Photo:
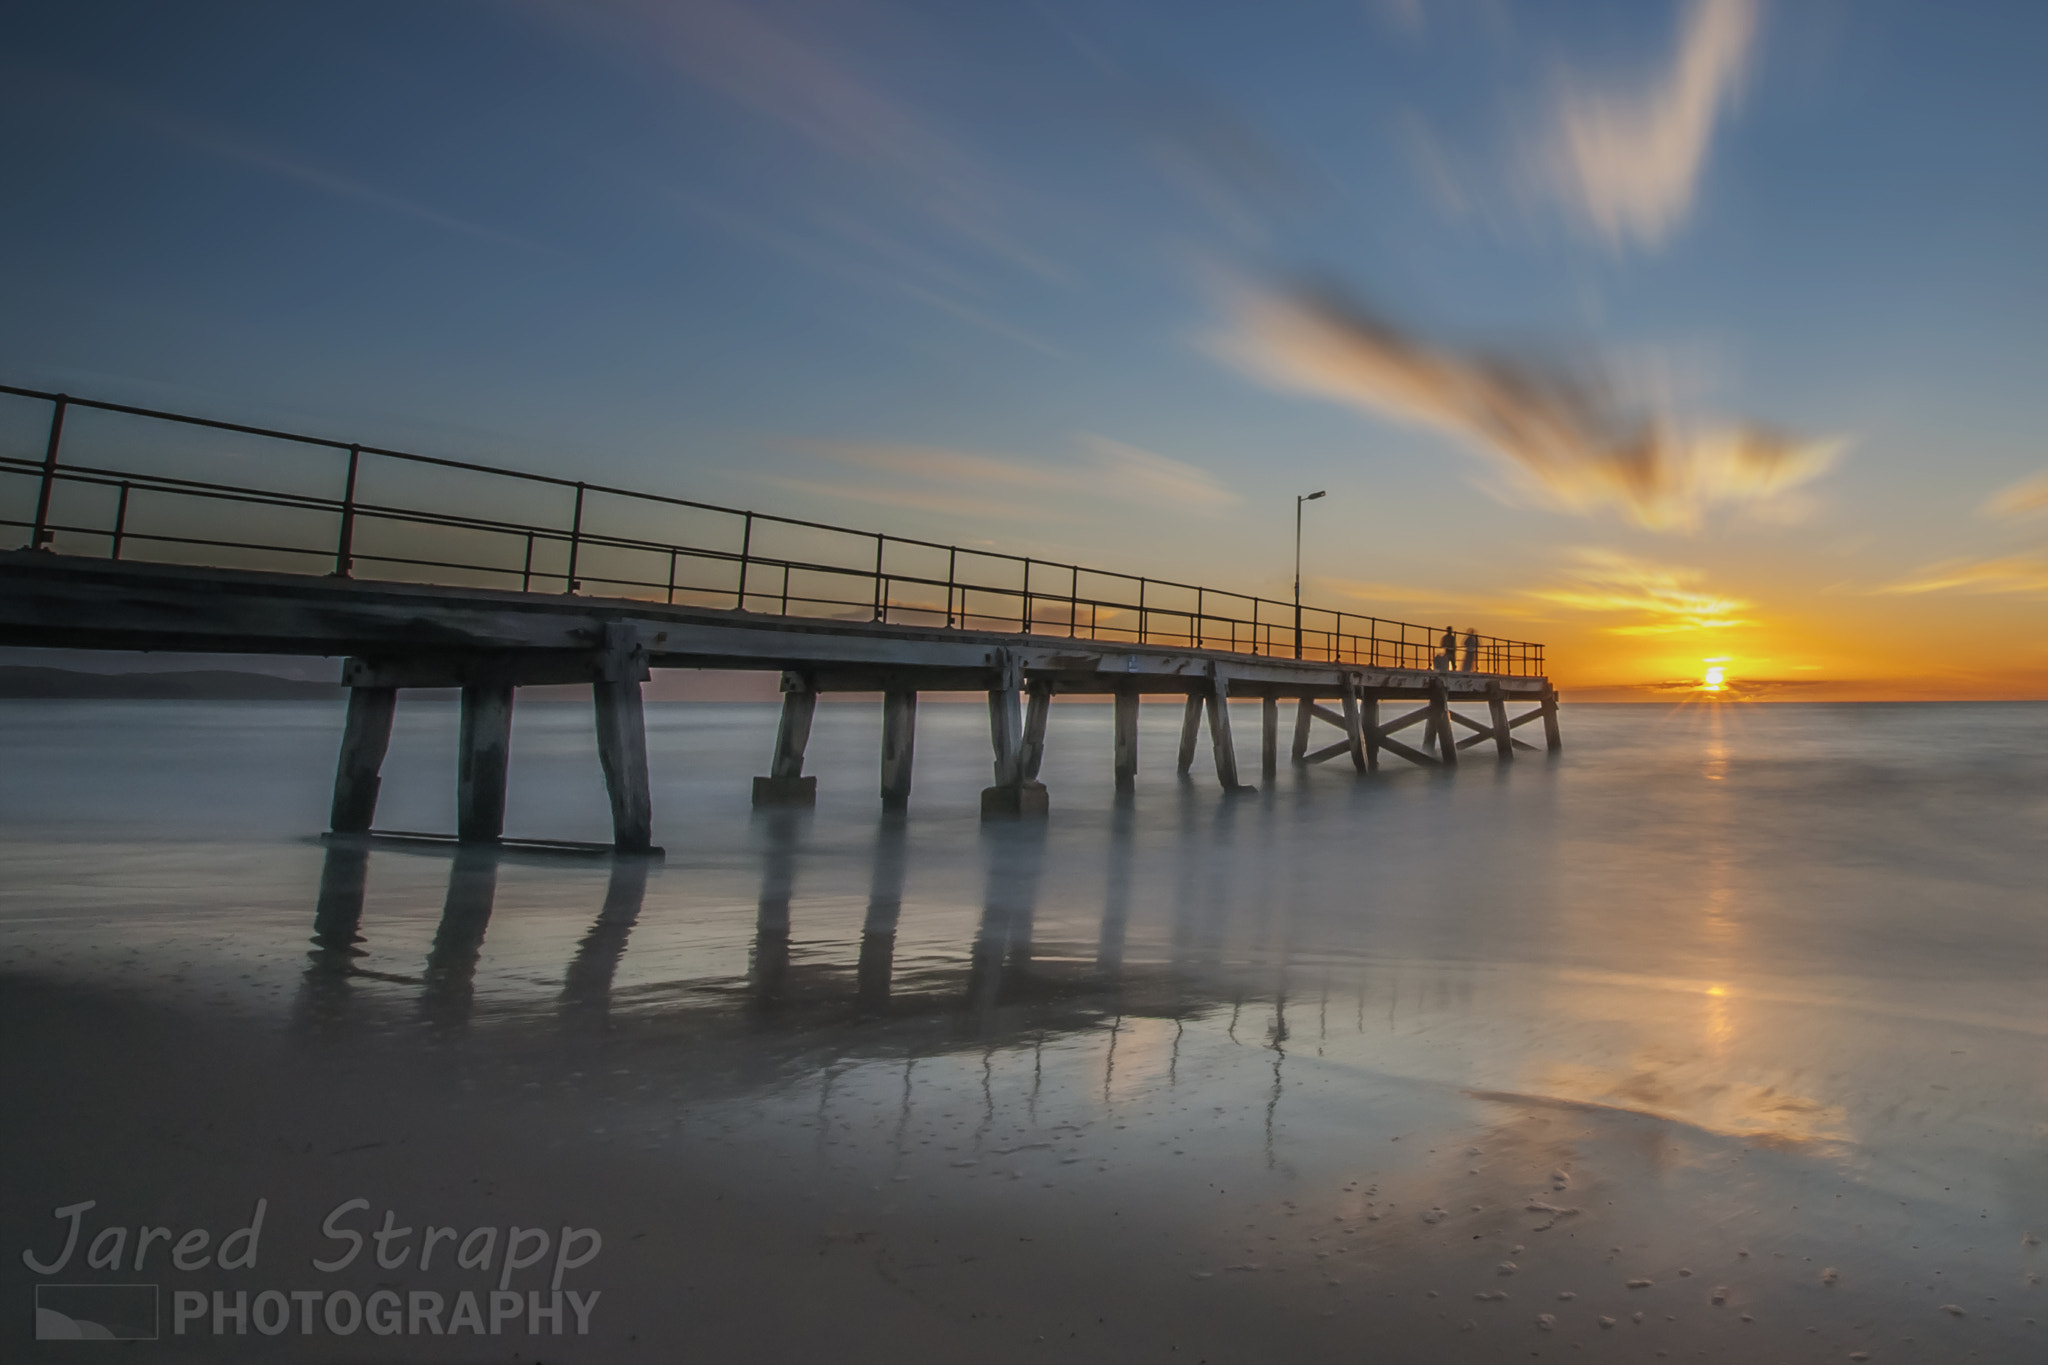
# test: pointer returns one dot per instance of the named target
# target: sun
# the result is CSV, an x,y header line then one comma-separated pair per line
x,y
1716,677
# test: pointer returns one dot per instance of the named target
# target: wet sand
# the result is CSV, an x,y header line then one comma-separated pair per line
x,y
1717,1038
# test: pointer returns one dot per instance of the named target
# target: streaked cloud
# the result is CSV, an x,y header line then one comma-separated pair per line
x,y
1144,476
1574,439
2020,573
972,483
783,65
1661,599
1630,160
2024,498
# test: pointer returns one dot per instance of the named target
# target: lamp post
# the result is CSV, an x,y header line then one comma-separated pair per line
x,y
1299,499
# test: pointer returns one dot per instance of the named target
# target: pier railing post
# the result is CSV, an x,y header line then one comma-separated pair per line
x,y
785,784
41,534
365,736
345,543
622,739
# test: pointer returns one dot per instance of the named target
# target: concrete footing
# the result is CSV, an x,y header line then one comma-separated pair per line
x,y
1025,800
785,791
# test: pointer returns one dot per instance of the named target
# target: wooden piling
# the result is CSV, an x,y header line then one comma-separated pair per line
x,y
1354,737
622,752
899,741
364,738
1126,741
1190,731
1037,710
1497,710
1269,738
1440,719
786,784
1014,793
1369,727
485,751
1221,747
1551,739
1303,715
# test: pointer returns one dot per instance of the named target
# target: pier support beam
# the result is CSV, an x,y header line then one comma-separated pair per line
x,y
1551,739
1440,719
622,751
1497,711
786,784
1037,710
1354,735
484,752
1220,743
622,739
1303,715
1269,738
899,742
1369,725
1190,731
1014,793
364,738
1126,743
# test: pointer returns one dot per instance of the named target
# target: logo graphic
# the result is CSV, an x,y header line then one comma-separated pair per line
x,y
95,1312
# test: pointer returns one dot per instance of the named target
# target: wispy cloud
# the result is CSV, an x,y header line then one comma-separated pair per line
x,y
1630,160
1661,599
1143,476
781,64
2028,496
2020,573
1574,439
971,483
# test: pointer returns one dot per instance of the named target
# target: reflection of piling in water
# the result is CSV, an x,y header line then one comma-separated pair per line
x,y
1116,898
337,924
885,904
781,827
1015,853
448,984
587,985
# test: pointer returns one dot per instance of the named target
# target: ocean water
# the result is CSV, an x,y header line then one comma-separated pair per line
x,y
1719,1035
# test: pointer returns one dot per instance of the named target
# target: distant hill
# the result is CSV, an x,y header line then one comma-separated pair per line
x,y
205,684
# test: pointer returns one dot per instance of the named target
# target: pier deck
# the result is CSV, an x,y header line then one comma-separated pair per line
x,y
124,554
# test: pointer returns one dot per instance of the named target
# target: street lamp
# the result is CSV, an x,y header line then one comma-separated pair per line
x,y
1299,499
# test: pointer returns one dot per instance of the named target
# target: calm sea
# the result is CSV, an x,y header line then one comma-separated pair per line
x,y
1722,1034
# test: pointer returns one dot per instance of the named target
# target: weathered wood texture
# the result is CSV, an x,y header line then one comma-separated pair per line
x,y
899,745
484,751
1125,742
364,738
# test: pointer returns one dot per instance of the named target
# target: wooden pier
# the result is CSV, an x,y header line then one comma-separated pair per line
x,y
122,555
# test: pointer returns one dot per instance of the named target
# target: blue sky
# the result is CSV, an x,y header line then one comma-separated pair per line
x,y
1113,282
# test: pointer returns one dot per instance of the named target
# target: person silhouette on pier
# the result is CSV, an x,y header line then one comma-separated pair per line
x,y
1472,649
1447,650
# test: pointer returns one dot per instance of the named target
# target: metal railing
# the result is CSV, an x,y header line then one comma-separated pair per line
x,y
115,504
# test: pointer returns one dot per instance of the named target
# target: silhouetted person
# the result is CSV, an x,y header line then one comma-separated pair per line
x,y
1472,650
1447,650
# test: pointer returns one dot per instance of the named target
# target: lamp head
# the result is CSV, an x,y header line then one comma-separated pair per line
x,y
1311,497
